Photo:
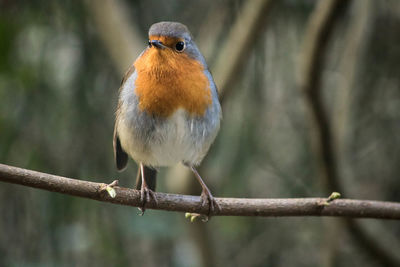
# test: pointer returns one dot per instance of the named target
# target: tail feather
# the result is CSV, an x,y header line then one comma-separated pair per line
x,y
150,175
120,156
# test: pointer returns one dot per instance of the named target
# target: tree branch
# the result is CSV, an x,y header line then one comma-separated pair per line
x,y
185,203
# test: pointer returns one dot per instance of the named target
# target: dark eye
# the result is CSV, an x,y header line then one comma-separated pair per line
x,y
149,43
180,46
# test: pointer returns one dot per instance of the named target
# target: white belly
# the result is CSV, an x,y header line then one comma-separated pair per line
x,y
177,139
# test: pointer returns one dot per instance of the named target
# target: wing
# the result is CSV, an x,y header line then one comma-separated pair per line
x,y
120,156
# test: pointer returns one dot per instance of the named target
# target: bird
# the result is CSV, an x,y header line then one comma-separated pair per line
x,y
168,110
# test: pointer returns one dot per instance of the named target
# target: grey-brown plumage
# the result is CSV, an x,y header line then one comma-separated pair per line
x,y
169,28
121,157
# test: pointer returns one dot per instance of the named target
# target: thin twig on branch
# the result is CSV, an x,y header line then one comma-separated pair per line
x,y
185,203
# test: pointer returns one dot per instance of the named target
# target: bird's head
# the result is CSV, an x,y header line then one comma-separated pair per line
x,y
173,39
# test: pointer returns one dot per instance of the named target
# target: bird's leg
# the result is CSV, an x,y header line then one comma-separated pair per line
x,y
145,192
206,195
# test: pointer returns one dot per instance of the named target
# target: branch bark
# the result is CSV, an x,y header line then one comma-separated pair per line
x,y
186,203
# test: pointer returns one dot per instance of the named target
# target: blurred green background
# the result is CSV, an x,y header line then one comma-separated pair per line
x,y
61,63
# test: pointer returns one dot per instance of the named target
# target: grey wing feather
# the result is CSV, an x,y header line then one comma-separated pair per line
x,y
120,156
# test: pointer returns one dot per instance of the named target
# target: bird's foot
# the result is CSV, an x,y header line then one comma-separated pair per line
x,y
146,194
206,197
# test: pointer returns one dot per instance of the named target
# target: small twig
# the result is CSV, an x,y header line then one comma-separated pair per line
x,y
109,188
192,204
332,197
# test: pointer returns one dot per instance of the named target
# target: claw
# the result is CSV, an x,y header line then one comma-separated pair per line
x,y
205,193
146,194
206,197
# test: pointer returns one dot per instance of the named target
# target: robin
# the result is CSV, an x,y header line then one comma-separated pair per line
x,y
168,109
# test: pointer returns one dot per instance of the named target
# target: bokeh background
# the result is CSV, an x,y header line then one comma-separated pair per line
x,y
61,63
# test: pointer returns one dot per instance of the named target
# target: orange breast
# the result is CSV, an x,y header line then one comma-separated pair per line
x,y
167,80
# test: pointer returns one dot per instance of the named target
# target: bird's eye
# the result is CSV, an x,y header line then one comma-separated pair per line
x,y
180,46
149,43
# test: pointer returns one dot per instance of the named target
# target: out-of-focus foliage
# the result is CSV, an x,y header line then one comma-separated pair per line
x,y
58,93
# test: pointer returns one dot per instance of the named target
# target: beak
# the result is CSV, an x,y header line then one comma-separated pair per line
x,y
157,44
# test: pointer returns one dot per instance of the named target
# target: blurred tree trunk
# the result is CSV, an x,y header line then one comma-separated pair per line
x,y
120,36
320,27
